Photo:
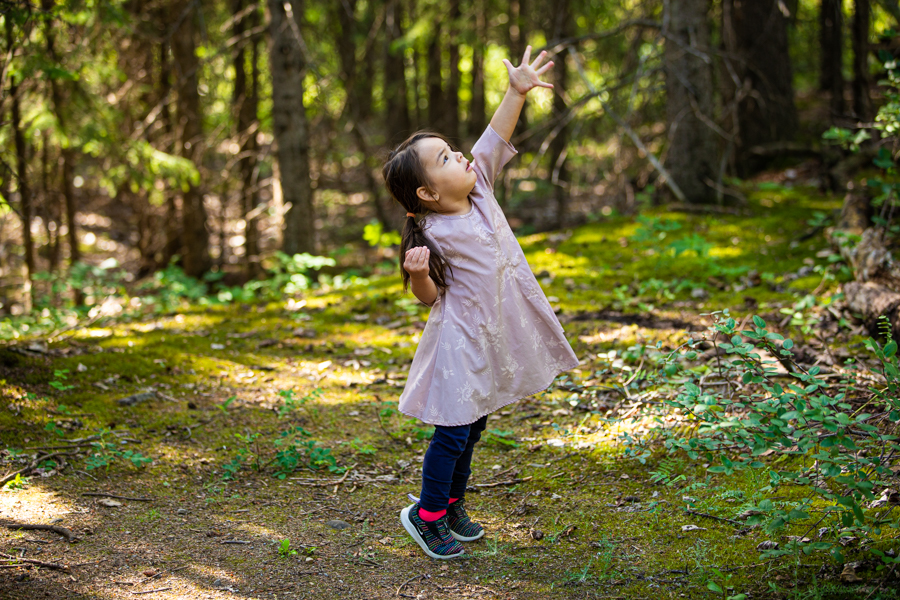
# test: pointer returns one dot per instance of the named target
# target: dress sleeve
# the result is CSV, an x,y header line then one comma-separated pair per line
x,y
490,153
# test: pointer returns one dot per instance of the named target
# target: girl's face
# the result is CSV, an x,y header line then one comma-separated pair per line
x,y
451,174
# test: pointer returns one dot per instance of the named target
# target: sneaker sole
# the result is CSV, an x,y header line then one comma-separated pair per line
x,y
414,534
463,538
460,538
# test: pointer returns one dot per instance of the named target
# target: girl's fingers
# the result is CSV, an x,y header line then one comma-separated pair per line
x,y
538,60
527,55
544,69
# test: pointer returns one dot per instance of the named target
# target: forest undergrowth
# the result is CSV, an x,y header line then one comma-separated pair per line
x,y
728,433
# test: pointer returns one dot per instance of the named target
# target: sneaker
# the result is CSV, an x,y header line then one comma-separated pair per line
x,y
433,536
461,526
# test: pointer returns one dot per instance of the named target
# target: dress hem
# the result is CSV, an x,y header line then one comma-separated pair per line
x,y
505,404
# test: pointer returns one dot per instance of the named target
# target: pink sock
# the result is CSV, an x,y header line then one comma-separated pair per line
x,y
428,516
452,500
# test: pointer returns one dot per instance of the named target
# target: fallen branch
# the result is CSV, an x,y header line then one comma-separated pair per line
x,y
152,591
408,581
510,482
66,533
700,514
33,561
33,465
105,495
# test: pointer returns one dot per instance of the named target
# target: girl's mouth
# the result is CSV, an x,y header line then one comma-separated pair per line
x,y
468,166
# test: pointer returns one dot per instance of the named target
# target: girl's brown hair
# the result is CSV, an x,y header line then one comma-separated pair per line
x,y
403,174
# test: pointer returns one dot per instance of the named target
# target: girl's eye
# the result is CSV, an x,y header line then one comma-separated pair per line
x,y
446,158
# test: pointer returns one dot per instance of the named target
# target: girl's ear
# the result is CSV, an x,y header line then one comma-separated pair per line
x,y
426,195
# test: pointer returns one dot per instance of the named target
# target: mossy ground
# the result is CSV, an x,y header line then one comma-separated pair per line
x,y
605,530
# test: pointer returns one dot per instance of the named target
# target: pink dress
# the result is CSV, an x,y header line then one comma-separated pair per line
x,y
492,337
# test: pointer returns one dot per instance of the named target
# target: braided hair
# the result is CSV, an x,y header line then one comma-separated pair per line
x,y
403,174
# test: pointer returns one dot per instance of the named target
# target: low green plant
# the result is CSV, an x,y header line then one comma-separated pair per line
x,y
362,448
828,448
107,450
285,550
499,438
59,378
17,483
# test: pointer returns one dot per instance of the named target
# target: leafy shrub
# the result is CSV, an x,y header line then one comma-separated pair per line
x,y
837,453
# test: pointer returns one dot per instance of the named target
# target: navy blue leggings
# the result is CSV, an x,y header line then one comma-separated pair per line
x,y
448,464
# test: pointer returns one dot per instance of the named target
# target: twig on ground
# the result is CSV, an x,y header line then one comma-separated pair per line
x,y
32,561
408,581
510,482
106,495
700,514
152,591
241,542
38,460
66,533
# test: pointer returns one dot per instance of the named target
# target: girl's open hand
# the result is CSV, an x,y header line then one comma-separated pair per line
x,y
416,262
526,76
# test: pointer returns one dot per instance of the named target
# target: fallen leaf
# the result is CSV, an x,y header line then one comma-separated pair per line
x,y
692,528
108,502
848,575
767,545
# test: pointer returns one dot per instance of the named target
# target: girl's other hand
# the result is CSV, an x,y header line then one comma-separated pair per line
x,y
526,76
416,262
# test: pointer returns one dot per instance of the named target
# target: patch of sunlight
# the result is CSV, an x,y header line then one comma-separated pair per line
x,y
34,504
726,251
96,332
259,530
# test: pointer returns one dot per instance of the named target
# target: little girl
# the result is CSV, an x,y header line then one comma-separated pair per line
x,y
491,337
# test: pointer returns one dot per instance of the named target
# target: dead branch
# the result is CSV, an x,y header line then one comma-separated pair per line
x,y
33,561
106,495
66,533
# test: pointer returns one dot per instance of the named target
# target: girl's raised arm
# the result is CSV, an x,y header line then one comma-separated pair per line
x,y
522,79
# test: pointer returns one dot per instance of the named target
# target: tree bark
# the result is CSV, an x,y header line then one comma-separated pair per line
x,y
290,125
195,257
518,10
562,28
25,199
246,100
862,103
452,93
831,75
437,110
692,159
66,153
757,35
477,109
397,106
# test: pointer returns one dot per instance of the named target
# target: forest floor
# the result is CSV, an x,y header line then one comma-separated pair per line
x,y
568,513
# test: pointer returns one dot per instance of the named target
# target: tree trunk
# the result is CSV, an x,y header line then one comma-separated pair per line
x,y
246,99
66,153
51,212
196,258
517,43
437,110
25,199
173,241
562,28
691,160
831,76
397,106
290,126
862,103
757,34
452,93
477,109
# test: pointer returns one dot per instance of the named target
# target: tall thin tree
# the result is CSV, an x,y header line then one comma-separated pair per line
x,y
290,126
195,236
689,100
862,16
831,75
562,28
